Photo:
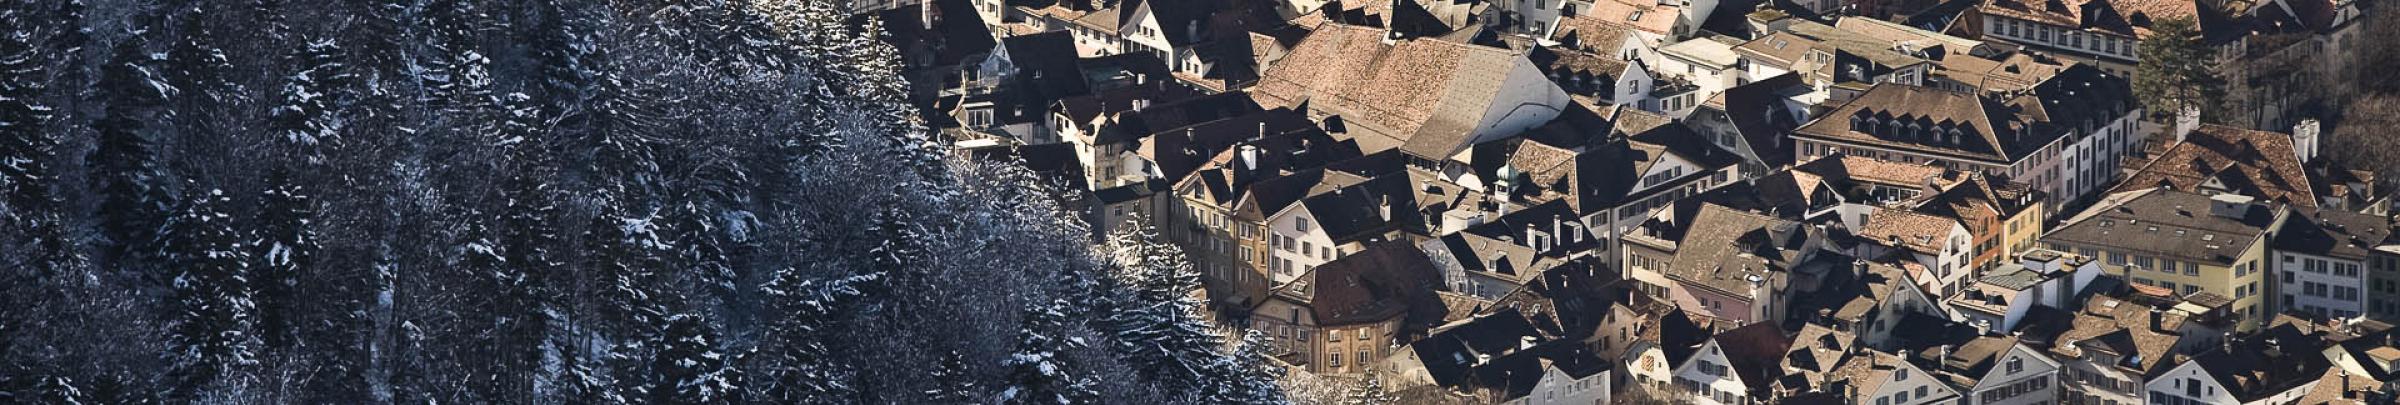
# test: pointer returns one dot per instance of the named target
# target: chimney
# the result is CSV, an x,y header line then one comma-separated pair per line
x,y
2186,120
1384,208
1249,157
2304,139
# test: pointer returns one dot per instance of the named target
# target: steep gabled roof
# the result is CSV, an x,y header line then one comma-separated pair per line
x,y
1422,96
2248,162
1987,129
1376,284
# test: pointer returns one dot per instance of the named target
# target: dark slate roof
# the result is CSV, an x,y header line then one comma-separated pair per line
x,y
1679,336
1112,101
1185,114
2173,224
2333,233
1450,355
1385,280
2275,360
1229,176
1383,204
1046,63
2082,97
1054,161
957,34
1181,151
1760,111
1756,351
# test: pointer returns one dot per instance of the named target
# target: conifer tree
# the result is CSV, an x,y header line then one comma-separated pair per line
x,y
689,367
1036,373
288,246
133,184
215,329
304,119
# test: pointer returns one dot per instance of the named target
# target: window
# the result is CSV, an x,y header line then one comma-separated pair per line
x,y
1300,224
2016,365
1333,359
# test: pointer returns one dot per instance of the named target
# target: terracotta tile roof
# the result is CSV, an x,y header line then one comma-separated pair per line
x,y
1781,48
1988,129
1417,95
1593,32
1914,231
1728,250
1846,168
2123,327
2009,72
1646,16
2248,162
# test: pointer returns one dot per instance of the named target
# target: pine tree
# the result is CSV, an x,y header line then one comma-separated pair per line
x,y
1036,374
801,367
288,246
1247,376
1161,332
215,333
26,149
873,68
1369,391
133,184
28,206
900,244
304,119
689,368
952,382
2174,72
529,241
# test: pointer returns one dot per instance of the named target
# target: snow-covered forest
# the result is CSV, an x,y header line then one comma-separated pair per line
x,y
541,201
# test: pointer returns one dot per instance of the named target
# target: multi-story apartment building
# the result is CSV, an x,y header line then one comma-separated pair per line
x,y
2321,262
2183,242
2026,138
1345,317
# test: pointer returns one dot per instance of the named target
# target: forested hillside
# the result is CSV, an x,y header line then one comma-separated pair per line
x,y
540,201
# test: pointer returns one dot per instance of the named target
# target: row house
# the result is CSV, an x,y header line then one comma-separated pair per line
x,y
2320,262
2020,139
1755,121
1397,206
2383,281
1739,267
1934,250
1093,123
1733,367
1496,256
2184,243
1223,206
2112,348
1343,317
2102,33
2277,56
2278,365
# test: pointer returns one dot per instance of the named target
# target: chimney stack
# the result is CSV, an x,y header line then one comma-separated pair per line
x,y
2304,139
2157,319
